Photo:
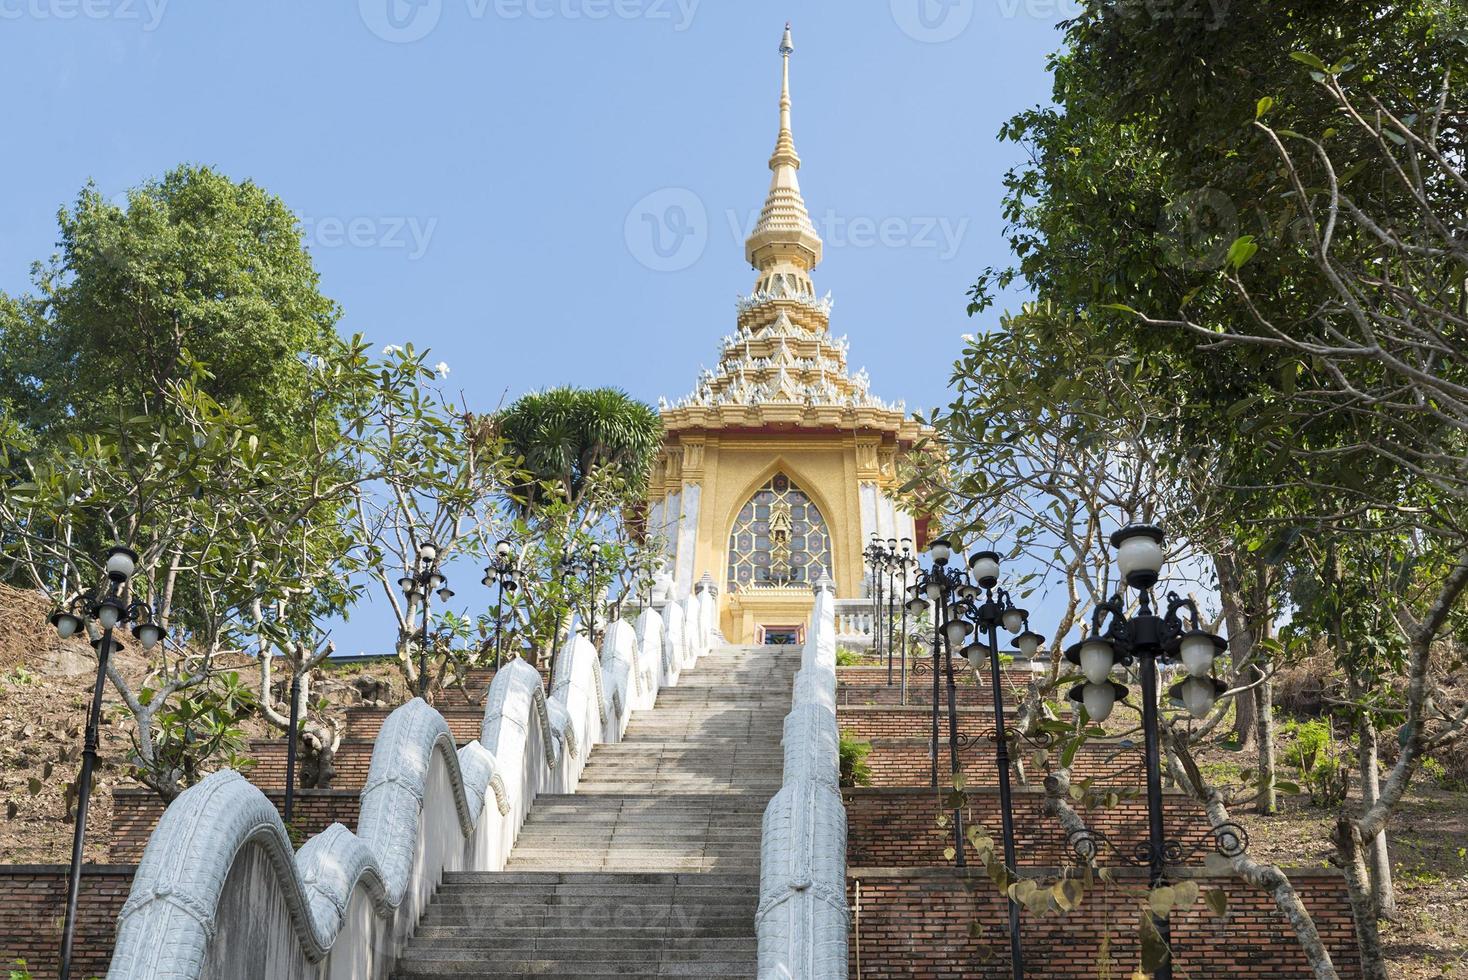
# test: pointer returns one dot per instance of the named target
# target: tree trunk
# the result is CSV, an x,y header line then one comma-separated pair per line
x,y
1264,731
1378,860
318,757
1350,855
1264,876
1240,643
1245,719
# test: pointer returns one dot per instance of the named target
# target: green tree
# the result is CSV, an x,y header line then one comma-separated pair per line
x,y
583,458
195,269
1260,228
427,470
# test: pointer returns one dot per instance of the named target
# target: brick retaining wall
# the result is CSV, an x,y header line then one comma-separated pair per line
x,y
914,721
136,812
33,907
464,722
881,694
1014,678
917,922
904,762
352,761
898,827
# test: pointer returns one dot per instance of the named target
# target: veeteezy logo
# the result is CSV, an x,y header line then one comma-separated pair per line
x,y
147,13
406,21
409,234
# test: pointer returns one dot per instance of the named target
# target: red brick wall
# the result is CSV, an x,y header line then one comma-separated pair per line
x,y
33,907
898,827
1013,678
916,923
914,721
352,761
464,722
904,762
475,682
881,694
136,812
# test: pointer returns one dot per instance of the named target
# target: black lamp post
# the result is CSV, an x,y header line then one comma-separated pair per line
x,y
502,571
109,612
575,561
876,558
420,582
891,565
998,609
1149,639
939,585
906,563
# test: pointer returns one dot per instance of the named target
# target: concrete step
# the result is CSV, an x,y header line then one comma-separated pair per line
x,y
652,867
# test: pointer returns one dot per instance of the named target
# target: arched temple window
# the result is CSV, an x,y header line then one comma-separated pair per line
x,y
779,539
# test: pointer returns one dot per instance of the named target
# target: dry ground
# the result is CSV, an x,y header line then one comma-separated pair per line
x,y
45,688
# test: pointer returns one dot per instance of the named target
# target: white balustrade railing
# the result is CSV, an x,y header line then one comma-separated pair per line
x,y
802,918
856,621
219,892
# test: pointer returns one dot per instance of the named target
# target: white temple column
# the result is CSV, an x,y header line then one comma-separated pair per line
x,y
687,539
887,518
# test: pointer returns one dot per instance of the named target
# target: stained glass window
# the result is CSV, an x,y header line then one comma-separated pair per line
x,y
779,539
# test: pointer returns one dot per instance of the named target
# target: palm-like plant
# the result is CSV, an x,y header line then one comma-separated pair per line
x,y
583,457
568,438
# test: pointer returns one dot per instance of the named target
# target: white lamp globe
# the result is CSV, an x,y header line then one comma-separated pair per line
x,y
1139,554
1197,651
934,589
1097,659
956,630
108,614
66,623
1014,619
977,654
148,634
502,548
916,607
1099,700
121,562
1197,695
984,566
427,551
940,550
1028,643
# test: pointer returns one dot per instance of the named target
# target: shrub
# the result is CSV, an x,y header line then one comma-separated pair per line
x,y
854,768
847,657
1313,753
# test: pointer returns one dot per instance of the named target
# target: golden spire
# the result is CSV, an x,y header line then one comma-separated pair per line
x,y
784,234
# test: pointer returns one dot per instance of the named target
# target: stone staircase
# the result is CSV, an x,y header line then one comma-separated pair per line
x,y
652,867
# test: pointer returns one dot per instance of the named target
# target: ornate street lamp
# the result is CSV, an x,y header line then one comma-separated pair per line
x,y
503,571
998,609
574,562
420,582
1148,639
938,585
877,557
905,563
109,612
577,561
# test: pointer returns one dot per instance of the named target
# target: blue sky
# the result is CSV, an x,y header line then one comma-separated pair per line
x,y
486,177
